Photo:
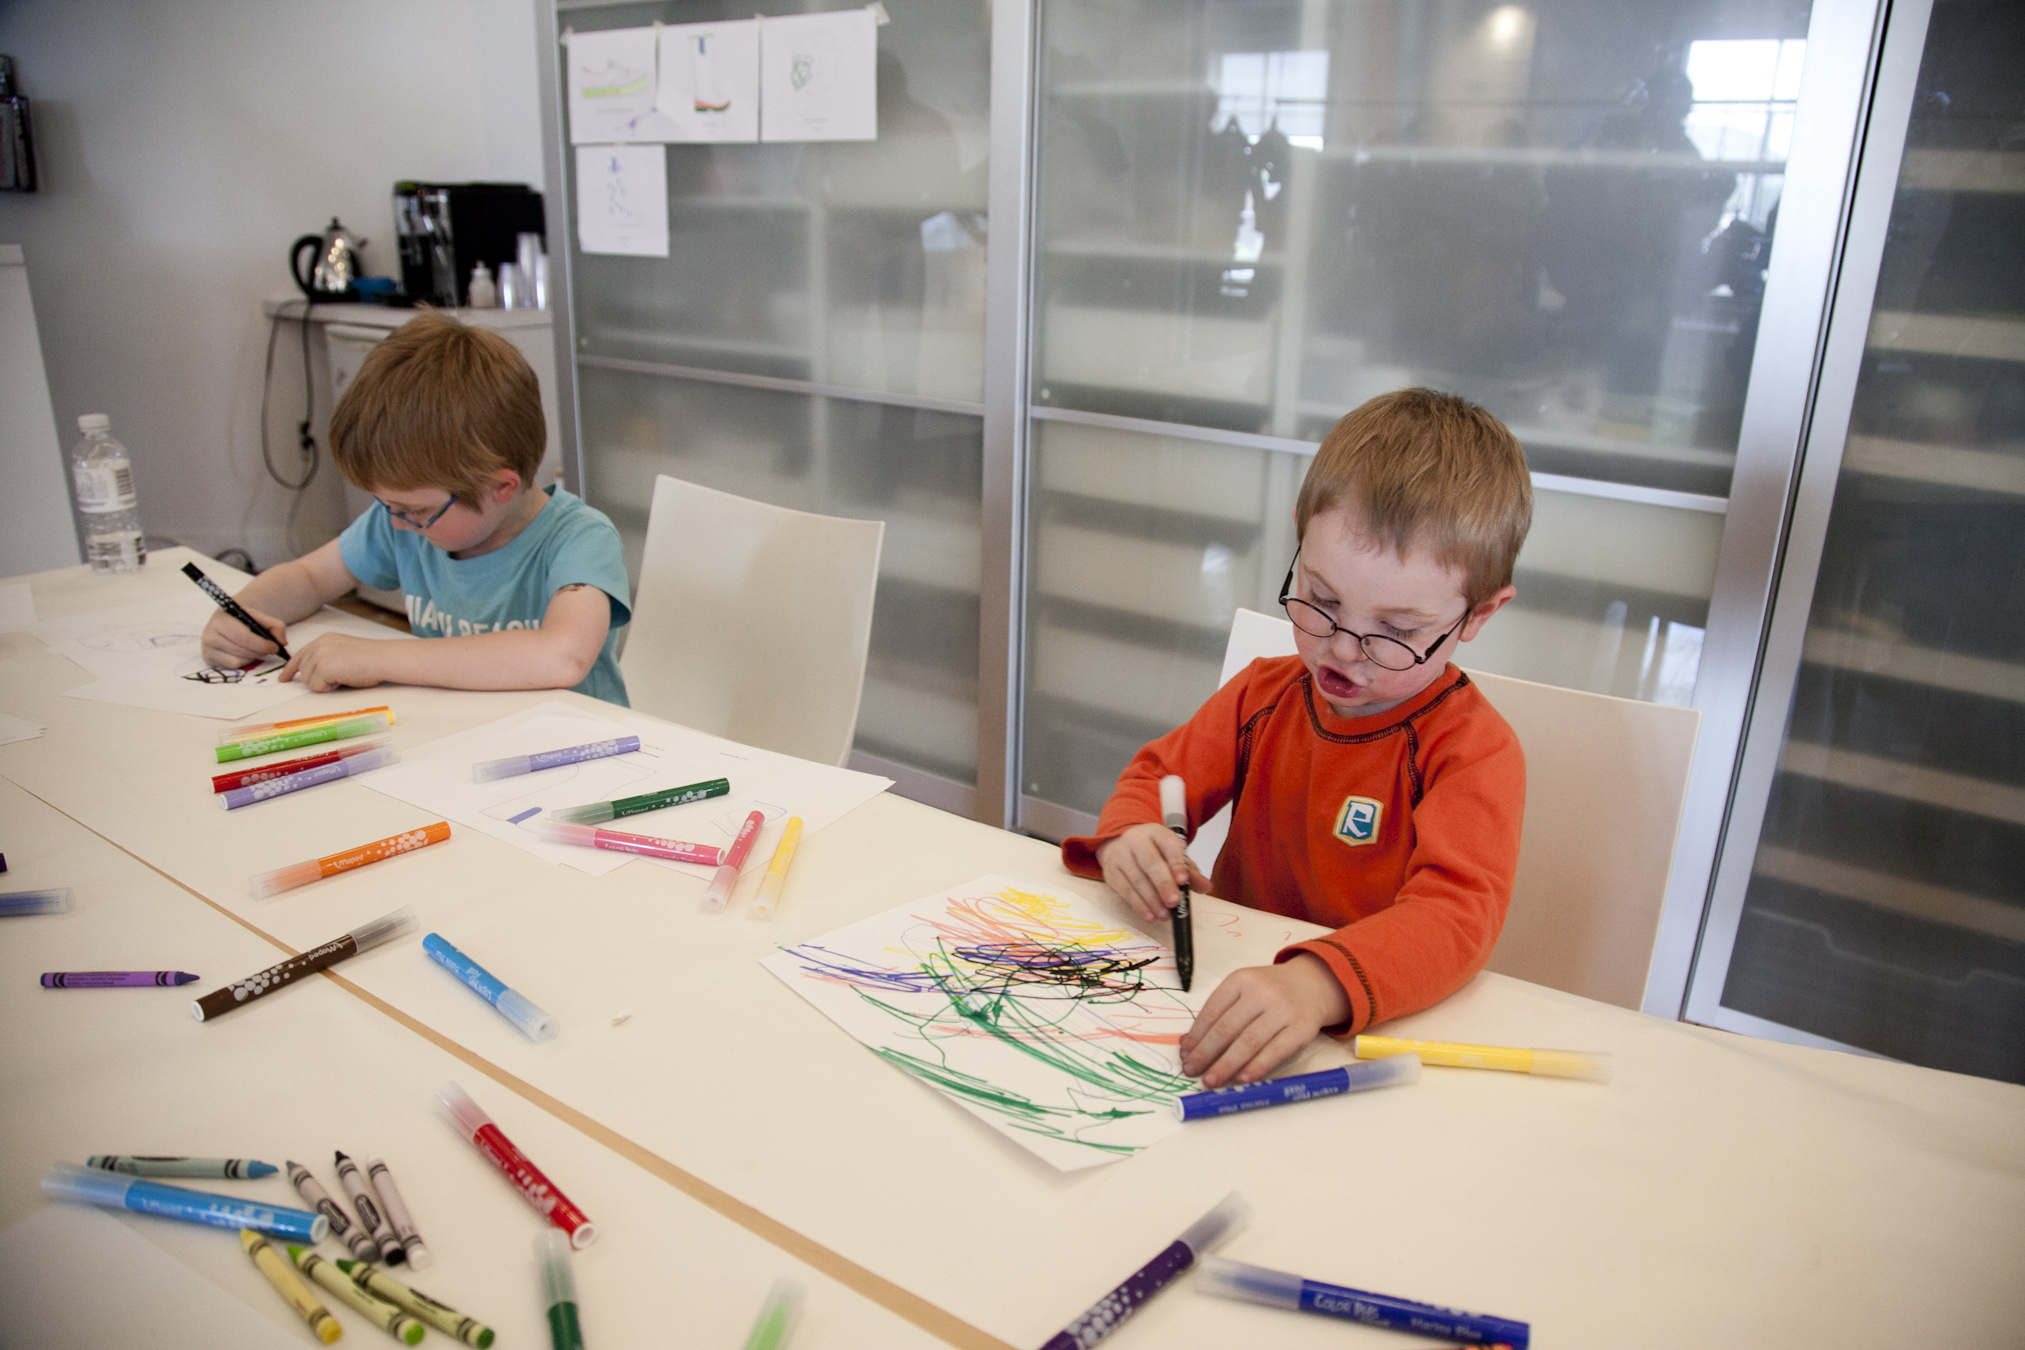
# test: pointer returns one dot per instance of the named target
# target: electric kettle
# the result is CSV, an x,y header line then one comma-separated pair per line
x,y
336,262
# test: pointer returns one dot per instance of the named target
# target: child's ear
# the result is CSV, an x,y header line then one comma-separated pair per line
x,y
505,485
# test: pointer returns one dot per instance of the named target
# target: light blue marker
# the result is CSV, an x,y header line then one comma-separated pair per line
x,y
112,1190
514,765
535,1024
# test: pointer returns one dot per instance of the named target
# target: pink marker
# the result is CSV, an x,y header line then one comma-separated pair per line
x,y
590,836
719,894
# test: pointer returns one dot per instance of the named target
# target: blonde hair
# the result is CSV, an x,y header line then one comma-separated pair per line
x,y
1428,470
439,404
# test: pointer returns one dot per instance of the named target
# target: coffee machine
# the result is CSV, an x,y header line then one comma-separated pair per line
x,y
446,229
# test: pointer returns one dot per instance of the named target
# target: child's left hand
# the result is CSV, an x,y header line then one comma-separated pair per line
x,y
1260,1017
335,661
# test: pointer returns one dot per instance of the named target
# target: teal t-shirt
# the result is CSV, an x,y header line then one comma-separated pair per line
x,y
568,544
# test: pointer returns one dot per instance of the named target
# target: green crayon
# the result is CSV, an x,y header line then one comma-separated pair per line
x,y
295,740
379,1312
441,1316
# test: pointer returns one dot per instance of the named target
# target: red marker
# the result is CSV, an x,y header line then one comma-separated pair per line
x,y
719,894
226,782
472,1122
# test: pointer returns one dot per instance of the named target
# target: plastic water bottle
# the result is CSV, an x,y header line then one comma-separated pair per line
x,y
104,477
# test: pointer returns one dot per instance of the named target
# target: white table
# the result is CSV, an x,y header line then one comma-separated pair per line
x,y
1720,1191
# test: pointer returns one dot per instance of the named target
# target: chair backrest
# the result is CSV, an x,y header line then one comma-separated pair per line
x,y
1606,780
752,621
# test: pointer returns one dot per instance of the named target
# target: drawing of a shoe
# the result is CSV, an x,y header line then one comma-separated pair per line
x,y
611,81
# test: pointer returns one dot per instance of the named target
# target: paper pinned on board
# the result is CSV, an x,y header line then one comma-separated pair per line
x,y
709,87
17,608
612,76
622,200
819,77
437,778
1022,1002
145,655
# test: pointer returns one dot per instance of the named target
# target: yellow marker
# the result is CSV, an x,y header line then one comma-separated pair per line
x,y
1552,1063
381,1313
290,1286
777,870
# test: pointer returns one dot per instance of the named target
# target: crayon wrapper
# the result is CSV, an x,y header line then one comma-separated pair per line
x,y
383,848
537,1189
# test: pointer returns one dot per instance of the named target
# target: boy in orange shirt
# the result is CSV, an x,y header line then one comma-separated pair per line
x,y
1375,789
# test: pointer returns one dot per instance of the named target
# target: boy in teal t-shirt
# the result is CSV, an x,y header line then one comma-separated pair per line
x,y
521,587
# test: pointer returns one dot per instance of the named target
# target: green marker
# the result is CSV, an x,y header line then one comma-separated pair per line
x,y
553,1249
441,1316
380,1313
776,1316
295,740
593,813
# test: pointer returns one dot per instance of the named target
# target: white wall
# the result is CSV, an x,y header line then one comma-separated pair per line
x,y
183,144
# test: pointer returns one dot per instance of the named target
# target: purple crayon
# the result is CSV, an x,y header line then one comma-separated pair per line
x,y
114,979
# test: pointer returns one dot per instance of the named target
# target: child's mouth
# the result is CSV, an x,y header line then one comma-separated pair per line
x,y
1336,688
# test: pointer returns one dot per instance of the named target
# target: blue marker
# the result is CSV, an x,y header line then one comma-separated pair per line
x,y
111,1190
1299,1087
514,765
1277,1289
535,1024
35,902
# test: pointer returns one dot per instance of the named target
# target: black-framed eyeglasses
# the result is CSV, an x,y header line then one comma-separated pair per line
x,y
1387,653
398,514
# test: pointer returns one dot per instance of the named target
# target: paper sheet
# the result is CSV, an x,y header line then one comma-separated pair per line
x,y
611,86
622,200
709,88
145,653
17,608
73,1278
14,729
437,777
819,77
1022,1003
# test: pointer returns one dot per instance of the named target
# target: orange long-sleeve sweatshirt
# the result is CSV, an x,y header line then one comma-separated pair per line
x,y
1399,830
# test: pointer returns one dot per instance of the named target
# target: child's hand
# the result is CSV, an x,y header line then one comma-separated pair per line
x,y
229,644
335,661
1260,1017
1147,866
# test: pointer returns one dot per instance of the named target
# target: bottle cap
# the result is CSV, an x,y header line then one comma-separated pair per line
x,y
94,422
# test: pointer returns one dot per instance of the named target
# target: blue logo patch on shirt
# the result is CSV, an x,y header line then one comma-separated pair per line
x,y
1359,822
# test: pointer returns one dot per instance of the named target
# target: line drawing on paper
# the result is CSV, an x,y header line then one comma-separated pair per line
x,y
1026,1008
613,79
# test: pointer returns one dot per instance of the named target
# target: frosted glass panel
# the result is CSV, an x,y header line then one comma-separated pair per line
x,y
1141,547
918,471
1255,216
1886,906
854,263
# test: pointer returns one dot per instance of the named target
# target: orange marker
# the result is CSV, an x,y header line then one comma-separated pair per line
x,y
302,873
231,734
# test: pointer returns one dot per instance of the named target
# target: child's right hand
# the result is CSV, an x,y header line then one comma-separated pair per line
x,y
228,644
1147,866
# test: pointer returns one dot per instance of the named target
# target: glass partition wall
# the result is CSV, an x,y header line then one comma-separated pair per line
x,y
1252,217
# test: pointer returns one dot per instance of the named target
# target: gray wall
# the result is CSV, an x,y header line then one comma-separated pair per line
x,y
183,145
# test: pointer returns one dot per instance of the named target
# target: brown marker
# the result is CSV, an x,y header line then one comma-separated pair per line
x,y
221,1001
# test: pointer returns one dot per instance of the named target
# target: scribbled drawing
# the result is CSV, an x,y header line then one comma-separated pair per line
x,y
801,70
613,79
1027,1008
617,204
141,637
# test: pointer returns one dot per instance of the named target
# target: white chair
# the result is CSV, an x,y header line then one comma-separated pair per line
x,y
752,621
1606,779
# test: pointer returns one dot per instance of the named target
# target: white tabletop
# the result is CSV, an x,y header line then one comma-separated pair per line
x,y
1720,1191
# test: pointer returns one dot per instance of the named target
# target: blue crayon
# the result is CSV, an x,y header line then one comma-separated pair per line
x,y
111,1190
1298,1087
511,1004
1278,1289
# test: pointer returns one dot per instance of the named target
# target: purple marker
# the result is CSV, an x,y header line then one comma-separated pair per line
x,y
514,765
113,979
296,782
1105,1315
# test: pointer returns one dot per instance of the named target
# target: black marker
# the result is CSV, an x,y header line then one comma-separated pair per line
x,y
233,607
1174,807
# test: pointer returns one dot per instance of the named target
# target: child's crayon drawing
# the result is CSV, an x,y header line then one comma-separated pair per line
x,y
1026,1007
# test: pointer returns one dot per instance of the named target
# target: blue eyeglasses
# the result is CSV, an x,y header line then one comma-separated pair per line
x,y
398,514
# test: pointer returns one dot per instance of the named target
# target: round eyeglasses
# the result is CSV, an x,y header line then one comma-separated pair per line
x,y
1387,653
405,518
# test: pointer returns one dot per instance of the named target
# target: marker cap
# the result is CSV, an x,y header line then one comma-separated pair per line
x,y
552,1249
54,901
535,1024
263,884
594,813
718,894
1230,1214
1174,802
493,769
553,831
86,1186
1253,1284
1594,1066
455,1105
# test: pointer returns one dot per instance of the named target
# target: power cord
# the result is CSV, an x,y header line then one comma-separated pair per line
x,y
306,445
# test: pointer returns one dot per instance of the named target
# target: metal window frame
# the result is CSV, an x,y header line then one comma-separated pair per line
x,y
1876,187
556,212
